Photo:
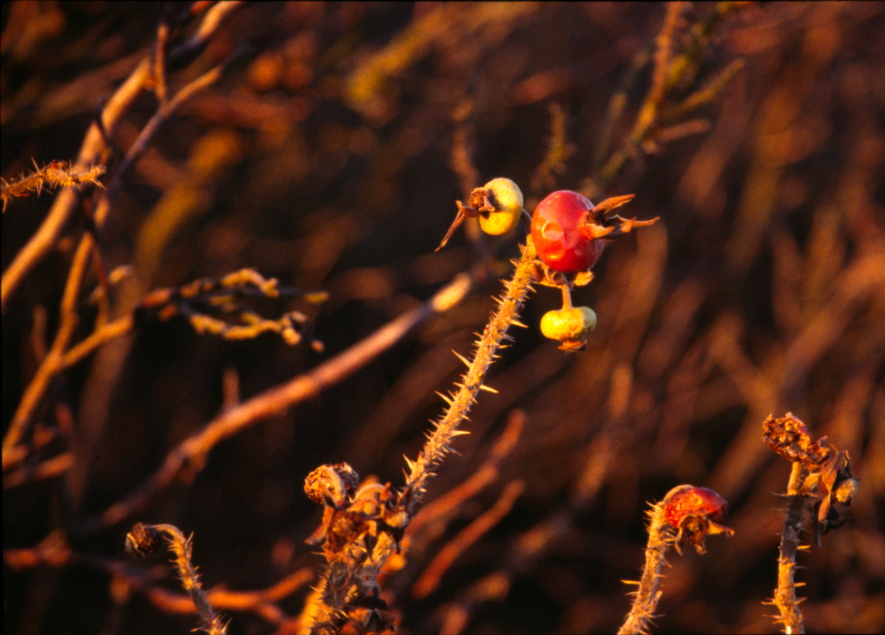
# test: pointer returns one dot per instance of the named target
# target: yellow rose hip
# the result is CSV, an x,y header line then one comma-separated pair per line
x,y
507,200
497,205
569,326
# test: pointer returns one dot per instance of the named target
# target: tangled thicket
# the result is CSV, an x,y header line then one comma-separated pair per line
x,y
252,292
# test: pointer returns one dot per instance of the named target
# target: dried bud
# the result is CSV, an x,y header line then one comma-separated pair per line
x,y
142,540
789,437
695,512
331,484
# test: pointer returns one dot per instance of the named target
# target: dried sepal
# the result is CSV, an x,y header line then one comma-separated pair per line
x,y
821,485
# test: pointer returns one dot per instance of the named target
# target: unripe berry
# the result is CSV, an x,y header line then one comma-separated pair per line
x,y
498,204
569,326
507,200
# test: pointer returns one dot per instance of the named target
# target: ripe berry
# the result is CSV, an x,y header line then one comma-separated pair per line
x,y
567,228
556,230
688,500
696,512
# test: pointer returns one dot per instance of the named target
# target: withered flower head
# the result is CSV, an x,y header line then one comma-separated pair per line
x,y
695,512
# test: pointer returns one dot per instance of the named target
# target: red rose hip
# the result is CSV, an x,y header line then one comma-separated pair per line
x,y
695,512
688,500
559,230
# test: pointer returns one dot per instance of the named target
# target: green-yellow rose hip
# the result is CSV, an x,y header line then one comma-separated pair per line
x,y
568,324
508,202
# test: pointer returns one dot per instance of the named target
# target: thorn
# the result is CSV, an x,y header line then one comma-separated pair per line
x,y
515,322
445,398
462,358
488,389
458,433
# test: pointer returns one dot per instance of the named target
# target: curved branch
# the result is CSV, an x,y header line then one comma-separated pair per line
x,y
192,452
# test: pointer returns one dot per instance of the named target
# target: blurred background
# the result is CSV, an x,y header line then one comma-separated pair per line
x,y
330,156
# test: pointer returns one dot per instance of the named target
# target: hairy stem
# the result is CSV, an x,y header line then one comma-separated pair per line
x,y
645,598
182,547
785,596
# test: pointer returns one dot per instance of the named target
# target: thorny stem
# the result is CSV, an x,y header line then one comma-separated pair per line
x,y
704,95
785,596
492,338
821,480
55,174
182,547
321,613
664,44
648,112
54,552
646,597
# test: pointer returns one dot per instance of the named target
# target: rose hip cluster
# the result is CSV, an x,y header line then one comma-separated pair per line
x,y
569,234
